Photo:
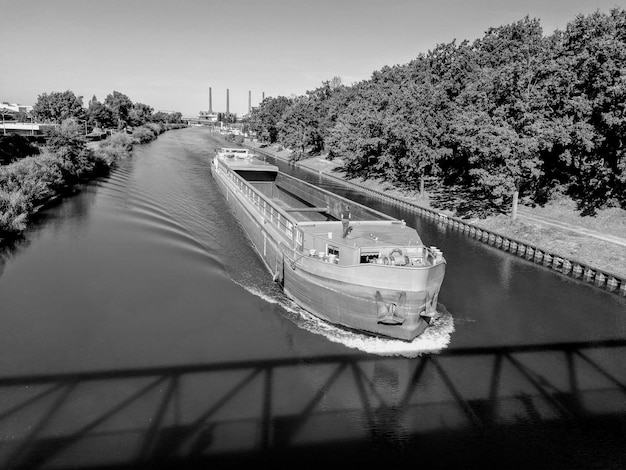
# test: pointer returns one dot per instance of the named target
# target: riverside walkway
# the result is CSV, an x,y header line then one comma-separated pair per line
x,y
524,213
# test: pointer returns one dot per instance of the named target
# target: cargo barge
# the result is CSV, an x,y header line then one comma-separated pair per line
x,y
341,261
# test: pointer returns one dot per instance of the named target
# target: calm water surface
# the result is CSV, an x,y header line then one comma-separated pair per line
x,y
140,329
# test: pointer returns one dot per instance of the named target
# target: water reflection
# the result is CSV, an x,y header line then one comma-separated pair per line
x,y
288,409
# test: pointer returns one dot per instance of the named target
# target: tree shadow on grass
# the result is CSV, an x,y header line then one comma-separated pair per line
x,y
463,202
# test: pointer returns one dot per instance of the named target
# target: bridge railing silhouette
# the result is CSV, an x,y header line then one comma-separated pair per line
x,y
280,406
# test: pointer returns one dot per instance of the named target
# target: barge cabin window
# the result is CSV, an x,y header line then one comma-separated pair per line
x,y
369,257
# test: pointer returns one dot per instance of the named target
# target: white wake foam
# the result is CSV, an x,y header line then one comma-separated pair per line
x,y
435,338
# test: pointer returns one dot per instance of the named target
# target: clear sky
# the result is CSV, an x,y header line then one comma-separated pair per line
x,y
168,53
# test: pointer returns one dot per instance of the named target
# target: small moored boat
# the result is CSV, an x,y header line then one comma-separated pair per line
x,y
368,272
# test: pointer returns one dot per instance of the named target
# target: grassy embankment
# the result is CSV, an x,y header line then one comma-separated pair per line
x,y
570,244
66,161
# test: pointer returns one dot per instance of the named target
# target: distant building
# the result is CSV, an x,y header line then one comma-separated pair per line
x,y
24,128
207,117
18,108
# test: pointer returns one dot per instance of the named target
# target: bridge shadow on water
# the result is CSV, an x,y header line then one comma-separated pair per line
x,y
547,406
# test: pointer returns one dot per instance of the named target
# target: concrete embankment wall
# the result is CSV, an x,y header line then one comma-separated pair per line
x,y
566,266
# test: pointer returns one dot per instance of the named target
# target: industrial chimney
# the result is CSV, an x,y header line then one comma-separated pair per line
x,y
227,103
210,102
249,102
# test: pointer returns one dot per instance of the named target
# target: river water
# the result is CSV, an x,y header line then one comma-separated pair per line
x,y
140,329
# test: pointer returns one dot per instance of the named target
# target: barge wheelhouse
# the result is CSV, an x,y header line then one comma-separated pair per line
x,y
376,277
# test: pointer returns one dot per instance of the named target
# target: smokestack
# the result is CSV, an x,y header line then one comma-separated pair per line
x,y
263,99
210,102
227,103
249,102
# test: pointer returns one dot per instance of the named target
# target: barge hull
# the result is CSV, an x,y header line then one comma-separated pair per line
x,y
351,305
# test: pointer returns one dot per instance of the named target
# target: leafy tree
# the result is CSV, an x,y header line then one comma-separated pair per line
x,y
323,114
170,118
120,105
67,143
595,50
358,137
99,115
58,106
298,127
176,118
500,123
265,118
140,114
160,116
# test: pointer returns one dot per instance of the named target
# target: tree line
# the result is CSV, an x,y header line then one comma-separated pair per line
x,y
116,112
514,114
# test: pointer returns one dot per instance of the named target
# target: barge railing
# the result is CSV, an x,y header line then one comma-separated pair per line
x,y
274,214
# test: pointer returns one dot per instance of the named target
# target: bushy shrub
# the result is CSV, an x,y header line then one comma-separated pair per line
x,y
143,134
116,147
35,177
155,127
14,209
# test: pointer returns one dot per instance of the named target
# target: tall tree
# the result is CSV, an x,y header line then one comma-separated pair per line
x,y
68,144
500,122
58,106
99,115
140,114
298,127
595,50
120,105
265,118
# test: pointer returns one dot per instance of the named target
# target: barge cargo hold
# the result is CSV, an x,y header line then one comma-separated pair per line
x,y
374,276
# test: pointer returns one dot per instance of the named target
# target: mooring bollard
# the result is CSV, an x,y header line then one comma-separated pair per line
x,y
567,267
612,284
